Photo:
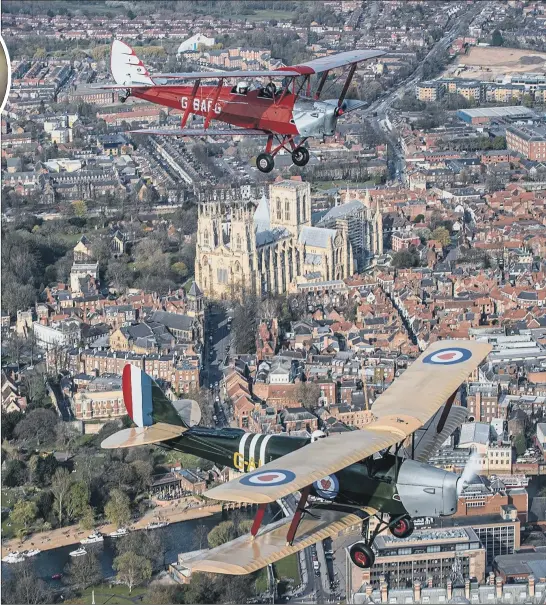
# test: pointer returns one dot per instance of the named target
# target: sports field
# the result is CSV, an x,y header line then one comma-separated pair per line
x,y
488,62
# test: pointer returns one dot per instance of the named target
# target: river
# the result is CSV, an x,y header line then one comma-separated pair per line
x,y
177,538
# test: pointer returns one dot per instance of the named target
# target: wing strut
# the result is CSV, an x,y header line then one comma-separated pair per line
x,y
187,111
297,515
213,104
258,520
346,85
321,84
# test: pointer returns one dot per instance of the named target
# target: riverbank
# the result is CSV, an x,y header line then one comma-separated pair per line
x,y
65,536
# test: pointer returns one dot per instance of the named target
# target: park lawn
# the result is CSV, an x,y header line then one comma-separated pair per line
x,y
289,568
261,581
266,15
117,594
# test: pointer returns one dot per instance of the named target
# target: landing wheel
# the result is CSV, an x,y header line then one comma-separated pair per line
x,y
362,555
265,162
300,156
403,528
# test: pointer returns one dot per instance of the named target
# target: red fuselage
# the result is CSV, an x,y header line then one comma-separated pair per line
x,y
249,110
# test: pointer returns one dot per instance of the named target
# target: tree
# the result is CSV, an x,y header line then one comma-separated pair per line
x,y
499,142
144,544
79,208
419,218
308,394
16,473
528,100
520,444
202,589
441,234
77,502
118,510
405,259
118,274
222,533
9,422
245,321
24,586
87,520
202,398
60,486
497,39
83,571
42,469
38,427
180,269
226,531
24,512
200,535
159,594
132,569
34,387
143,471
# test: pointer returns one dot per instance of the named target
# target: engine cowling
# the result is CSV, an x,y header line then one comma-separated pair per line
x,y
427,491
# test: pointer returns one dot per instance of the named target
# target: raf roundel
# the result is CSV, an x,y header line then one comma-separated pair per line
x,y
327,488
448,357
268,478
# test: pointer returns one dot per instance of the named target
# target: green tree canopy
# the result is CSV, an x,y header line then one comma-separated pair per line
x,y
24,512
132,569
405,259
118,509
497,39
441,234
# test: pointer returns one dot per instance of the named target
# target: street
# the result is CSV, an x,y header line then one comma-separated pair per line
x,y
217,343
378,110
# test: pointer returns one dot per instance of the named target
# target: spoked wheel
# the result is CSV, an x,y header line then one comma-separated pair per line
x,y
362,555
403,528
265,162
300,156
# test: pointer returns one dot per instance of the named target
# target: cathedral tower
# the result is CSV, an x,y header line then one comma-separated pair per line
x,y
290,205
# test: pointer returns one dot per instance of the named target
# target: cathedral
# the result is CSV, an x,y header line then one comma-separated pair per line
x,y
269,246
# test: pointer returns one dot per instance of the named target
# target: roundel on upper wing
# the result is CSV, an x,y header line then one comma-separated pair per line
x,y
268,478
448,356
327,487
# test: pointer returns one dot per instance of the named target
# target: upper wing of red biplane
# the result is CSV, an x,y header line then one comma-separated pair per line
x,y
314,66
404,407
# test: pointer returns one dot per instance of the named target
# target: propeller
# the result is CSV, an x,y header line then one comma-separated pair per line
x,y
470,470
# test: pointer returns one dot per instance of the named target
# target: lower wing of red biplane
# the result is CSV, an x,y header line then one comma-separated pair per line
x,y
409,403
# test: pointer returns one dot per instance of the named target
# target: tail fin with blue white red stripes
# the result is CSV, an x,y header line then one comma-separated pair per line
x,y
157,418
145,402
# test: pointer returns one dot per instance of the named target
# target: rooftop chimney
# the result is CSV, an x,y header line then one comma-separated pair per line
x,y
383,589
467,588
498,588
449,590
532,586
417,591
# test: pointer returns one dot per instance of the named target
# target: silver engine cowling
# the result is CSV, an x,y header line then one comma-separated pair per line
x,y
427,491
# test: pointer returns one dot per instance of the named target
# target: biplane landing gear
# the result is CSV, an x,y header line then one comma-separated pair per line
x,y
265,162
402,528
300,156
362,555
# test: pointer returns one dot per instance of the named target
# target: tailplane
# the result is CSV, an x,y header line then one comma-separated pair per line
x,y
126,67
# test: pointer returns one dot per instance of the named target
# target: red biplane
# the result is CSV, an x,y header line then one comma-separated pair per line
x,y
283,113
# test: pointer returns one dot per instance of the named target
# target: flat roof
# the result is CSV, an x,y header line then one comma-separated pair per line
x,y
498,112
